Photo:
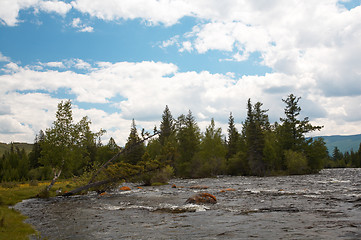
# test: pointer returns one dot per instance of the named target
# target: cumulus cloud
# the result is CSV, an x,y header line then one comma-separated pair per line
x,y
312,47
151,11
58,7
77,23
146,87
4,58
53,64
9,10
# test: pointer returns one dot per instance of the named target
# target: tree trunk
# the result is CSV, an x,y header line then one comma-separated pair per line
x,y
56,176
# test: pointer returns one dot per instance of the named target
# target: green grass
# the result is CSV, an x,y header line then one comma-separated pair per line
x,y
12,224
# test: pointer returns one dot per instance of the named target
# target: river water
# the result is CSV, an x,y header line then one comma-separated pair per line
x,y
320,206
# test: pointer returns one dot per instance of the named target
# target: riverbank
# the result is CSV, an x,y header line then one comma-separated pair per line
x,y
12,224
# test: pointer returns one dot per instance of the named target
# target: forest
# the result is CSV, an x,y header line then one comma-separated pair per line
x,y
177,149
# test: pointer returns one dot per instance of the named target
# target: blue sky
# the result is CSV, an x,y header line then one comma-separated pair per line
x,y
118,60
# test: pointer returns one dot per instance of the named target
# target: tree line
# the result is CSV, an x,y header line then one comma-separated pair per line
x,y
341,160
69,149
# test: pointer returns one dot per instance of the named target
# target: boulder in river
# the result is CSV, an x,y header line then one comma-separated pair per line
x,y
202,198
125,188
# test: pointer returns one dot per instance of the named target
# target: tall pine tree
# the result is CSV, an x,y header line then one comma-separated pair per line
x,y
188,138
167,126
254,127
134,148
233,139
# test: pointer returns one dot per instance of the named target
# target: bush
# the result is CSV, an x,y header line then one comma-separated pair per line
x,y
159,177
40,173
163,175
33,183
9,184
296,162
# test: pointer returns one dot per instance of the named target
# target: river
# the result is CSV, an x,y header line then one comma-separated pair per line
x,y
321,206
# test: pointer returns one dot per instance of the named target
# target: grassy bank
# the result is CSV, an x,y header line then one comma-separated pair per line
x,y
12,224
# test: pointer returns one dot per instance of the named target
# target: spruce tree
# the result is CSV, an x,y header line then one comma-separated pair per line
x,y
134,148
210,159
254,127
167,127
293,130
35,153
188,137
233,139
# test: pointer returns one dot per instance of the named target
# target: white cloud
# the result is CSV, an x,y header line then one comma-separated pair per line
x,y
151,11
53,64
186,46
59,7
312,47
77,23
9,10
146,87
4,58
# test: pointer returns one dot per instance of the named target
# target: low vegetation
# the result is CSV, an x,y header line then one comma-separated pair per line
x,y
12,224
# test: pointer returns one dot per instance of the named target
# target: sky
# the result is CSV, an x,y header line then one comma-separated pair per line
x,y
119,60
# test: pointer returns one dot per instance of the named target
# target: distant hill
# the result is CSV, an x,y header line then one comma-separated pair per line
x,y
344,143
5,147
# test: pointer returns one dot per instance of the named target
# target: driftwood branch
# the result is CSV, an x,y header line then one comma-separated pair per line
x,y
92,184
123,150
103,182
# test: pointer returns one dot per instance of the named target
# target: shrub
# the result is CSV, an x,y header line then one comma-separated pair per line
x,y
163,175
296,162
9,184
40,173
33,183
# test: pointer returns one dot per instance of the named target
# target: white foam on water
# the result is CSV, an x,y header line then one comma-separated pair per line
x,y
196,207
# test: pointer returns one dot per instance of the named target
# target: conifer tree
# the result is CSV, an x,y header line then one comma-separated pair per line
x,y
233,139
210,159
293,130
254,127
188,137
35,153
167,126
134,148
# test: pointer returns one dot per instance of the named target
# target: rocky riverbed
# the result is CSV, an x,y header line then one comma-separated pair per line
x,y
320,206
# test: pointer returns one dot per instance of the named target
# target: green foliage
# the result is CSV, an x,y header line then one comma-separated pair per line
x,y
316,152
14,165
134,148
238,164
296,162
210,159
40,173
161,176
72,149
188,138
233,139
167,126
348,159
255,128
67,147
293,130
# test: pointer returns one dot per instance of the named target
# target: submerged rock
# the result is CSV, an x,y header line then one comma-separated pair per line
x,y
228,190
202,198
199,187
